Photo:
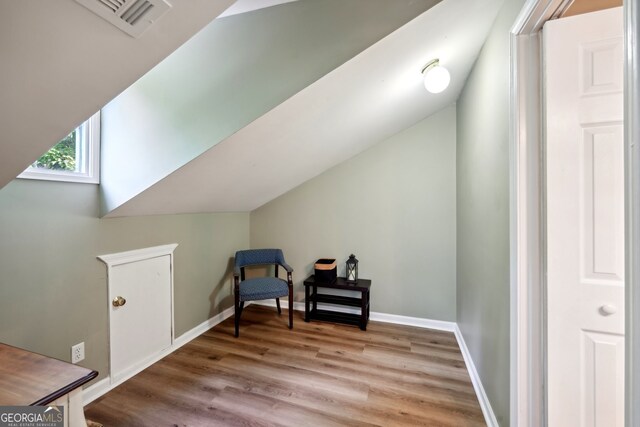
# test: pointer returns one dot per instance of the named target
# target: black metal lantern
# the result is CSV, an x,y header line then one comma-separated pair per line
x,y
352,269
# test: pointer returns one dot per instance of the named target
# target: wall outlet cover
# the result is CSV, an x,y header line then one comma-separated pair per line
x,y
77,353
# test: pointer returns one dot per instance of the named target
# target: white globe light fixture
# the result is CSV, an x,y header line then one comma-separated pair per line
x,y
436,77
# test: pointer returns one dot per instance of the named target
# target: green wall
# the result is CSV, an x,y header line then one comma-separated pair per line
x,y
53,291
229,74
426,212
483,212
393,206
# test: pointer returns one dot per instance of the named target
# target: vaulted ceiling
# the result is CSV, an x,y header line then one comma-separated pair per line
x,y
269,95
293,110
236,70
60,63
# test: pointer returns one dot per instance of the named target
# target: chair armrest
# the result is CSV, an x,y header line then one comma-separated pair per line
x,y
236,278
287,267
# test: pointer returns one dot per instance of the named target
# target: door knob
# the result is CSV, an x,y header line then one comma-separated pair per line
x,y
118,301
608,309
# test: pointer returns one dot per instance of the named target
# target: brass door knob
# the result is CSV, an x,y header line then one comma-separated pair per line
x,y
118,301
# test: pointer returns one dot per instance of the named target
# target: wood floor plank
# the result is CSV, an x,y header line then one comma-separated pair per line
x,y
325,339
300,377
400,376
281,411
448,351
318,374
426,363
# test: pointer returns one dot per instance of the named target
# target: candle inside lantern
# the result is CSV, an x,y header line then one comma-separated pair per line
x,y
352,269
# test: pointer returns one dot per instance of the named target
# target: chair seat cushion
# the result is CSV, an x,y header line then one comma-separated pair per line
x,y
263,288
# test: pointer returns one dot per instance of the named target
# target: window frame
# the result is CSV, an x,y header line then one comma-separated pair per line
x,y
89,140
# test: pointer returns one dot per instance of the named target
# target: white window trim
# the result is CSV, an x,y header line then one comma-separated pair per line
x,y
92,173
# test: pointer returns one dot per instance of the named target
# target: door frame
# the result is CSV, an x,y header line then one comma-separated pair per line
x,y
527,203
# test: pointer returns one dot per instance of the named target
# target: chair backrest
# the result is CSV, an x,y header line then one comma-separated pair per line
x,y
259,257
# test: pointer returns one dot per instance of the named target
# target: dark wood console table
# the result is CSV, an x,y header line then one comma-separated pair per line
x,y
312,298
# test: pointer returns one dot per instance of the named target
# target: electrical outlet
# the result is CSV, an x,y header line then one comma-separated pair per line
x,y
77,353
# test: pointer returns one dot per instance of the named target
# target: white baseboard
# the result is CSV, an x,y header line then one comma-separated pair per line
x,y
202,328
297,306
101,387
96,390
379,317
419,322
485,405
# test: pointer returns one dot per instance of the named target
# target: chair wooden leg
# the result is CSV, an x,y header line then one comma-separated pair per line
x,y
278,305
290,307
237,315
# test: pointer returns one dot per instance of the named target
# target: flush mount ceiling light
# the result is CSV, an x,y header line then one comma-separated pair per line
x,y
436,77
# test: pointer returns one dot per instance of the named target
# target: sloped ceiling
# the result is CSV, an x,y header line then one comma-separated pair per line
x,y
244,6
232,72
374,95
60,63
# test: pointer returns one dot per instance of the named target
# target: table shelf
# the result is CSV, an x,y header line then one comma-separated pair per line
x,y
336,300
313,298
335,316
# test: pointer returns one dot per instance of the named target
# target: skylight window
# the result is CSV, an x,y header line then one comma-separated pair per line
x,y
76,158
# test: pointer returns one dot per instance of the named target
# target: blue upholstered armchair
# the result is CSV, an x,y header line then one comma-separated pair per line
x,y
261,287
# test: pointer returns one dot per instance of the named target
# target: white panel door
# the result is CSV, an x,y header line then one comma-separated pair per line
x,y
585,219
140,329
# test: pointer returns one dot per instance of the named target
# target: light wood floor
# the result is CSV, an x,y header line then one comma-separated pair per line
x,y
318,374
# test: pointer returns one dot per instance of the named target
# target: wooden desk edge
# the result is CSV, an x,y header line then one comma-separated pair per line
x,y
65,390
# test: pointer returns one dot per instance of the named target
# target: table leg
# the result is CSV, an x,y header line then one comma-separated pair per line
x,y
315,303
363,311
306,303
368,305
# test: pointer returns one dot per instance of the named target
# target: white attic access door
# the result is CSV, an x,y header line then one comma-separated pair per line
x,y
140,304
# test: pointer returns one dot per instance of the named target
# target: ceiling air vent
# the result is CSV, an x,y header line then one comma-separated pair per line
x,y
131,16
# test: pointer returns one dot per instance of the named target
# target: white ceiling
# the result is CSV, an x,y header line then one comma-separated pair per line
x,y
368,99
60,63
244,6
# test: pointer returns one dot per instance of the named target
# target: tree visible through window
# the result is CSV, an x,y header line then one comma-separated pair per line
x,y
75,158
62,156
